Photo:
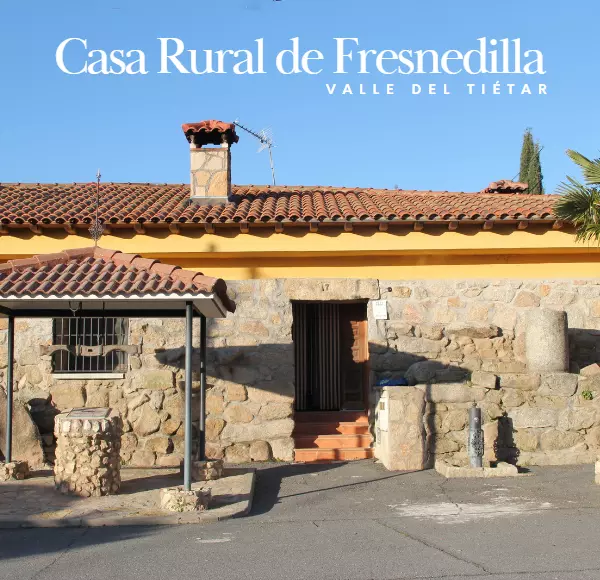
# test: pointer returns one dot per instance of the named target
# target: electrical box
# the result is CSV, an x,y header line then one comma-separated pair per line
x,y
380,309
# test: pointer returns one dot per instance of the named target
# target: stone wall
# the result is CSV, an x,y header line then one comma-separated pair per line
x,y
479,324
249,399
464,341
532,419
469,333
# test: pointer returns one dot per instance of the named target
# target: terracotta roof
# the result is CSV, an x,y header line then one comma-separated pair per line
x,y
124,203
100,272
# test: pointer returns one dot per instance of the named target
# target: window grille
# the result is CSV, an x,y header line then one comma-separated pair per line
x,y
89,331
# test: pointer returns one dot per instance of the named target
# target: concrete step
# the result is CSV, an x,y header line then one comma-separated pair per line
x,y
331,429
331,417
332,441
325,455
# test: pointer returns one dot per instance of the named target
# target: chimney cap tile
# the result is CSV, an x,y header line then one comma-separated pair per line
x,y
210,132
505,186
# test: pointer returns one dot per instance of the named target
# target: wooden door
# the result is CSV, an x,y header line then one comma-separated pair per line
x,y
354,355
316,334
331,350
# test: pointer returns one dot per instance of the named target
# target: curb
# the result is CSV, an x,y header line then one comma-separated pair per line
x,y
121,521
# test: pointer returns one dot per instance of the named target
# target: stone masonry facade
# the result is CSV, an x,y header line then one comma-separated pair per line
x,y
464,339
470,339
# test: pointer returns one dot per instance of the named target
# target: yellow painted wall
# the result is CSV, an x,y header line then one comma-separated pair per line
x,y
400,267
398,254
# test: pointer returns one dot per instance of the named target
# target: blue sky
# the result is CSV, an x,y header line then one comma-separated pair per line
x,y
60,128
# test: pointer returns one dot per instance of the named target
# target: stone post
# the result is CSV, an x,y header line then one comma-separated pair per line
x,y
547,341
475,446
207,470
402,440
177,499
88,445
14,470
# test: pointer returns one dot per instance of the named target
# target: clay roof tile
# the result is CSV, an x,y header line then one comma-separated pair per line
x,y
79,253
49,204
183,275
97,271
125,259
143,263
23,264
163,270
210,132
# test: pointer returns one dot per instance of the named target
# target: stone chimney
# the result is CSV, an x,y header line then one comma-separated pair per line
x,y
210,167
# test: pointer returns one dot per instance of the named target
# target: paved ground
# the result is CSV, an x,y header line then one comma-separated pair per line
x,y
35,502
353,521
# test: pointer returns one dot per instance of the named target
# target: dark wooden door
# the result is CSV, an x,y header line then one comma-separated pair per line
x,y
354,349
331,351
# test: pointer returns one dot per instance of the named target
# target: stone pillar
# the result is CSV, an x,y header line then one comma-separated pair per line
x,y
88,445
547,341
401,437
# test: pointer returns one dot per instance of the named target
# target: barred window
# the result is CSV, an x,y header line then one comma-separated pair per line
x,y
77,333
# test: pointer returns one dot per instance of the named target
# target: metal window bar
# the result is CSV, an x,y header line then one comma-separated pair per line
x,y
89,331
317,347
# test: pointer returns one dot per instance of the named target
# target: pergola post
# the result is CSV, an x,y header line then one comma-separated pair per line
x,y
187,459
202,441
9,386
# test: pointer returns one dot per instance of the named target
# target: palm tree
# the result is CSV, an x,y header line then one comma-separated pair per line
x,y
580,203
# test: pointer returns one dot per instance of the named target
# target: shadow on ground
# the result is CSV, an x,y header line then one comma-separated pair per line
x,y
267,492
157,480
31,543
268,482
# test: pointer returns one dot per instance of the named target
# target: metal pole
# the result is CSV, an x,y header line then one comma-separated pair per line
x,y
475,448
272,166
187,460
9,387
202,442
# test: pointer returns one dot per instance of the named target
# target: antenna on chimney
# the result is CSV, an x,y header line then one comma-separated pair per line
x,y
266,142
97,228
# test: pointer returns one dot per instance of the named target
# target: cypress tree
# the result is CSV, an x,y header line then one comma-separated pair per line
x,y
534,173
527,150
530,171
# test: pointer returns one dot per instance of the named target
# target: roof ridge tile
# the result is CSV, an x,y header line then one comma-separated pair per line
x,y
163,270
77,253
125,259
143,263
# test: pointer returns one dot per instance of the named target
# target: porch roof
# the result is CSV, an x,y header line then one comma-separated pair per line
x,y
89,280
85,281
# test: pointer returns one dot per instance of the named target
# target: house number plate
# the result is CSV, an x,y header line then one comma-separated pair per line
x,y
380,309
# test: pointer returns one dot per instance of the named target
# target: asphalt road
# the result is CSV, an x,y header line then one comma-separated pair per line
x,y
352,521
